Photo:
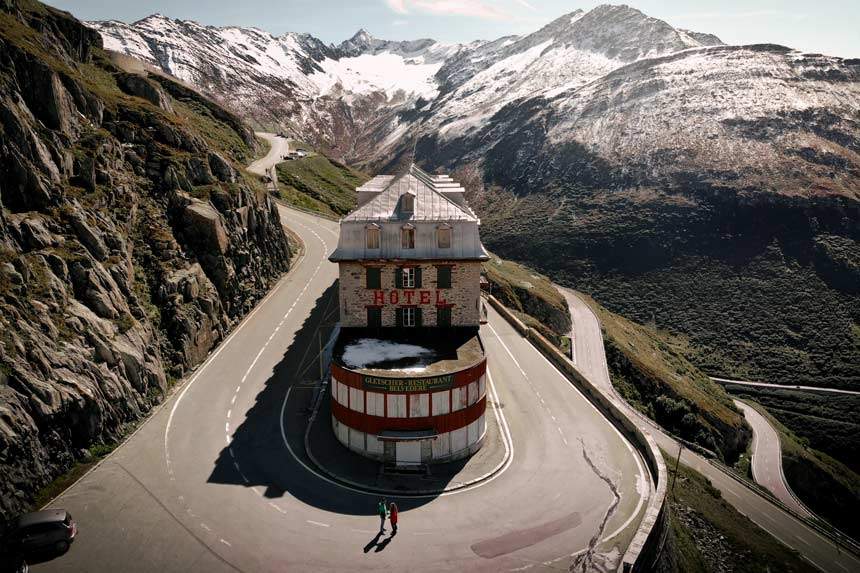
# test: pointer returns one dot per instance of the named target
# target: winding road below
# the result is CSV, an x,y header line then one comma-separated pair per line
x,y
767,459
217,479
728,382
793,532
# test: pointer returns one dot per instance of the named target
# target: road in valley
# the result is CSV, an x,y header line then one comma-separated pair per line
x,y
217,478
726,381
767,459
815,547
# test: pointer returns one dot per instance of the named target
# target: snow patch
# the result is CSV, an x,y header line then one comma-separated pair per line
x,y
368,352
386,72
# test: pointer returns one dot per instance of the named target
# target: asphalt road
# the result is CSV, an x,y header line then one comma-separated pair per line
x,y
217,479
727,381
767,459
816,548
279,148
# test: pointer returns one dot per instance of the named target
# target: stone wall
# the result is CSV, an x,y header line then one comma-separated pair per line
x,y
464,295
130,245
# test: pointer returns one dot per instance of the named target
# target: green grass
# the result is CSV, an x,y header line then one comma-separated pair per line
x,y
756,295
826,486
319,184
650,370
825,421
263,147
698,516
531,295
61,483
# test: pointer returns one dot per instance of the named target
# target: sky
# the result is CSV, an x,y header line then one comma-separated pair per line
x,y
825,26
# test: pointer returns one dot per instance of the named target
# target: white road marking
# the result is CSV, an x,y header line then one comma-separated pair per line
x,y
206,527
496,472
228,413
277,507
570,385
225,542
312,522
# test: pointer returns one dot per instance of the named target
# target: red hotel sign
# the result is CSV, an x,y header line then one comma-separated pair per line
x,y
409,297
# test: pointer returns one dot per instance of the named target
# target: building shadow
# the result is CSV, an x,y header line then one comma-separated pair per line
x,y
258,446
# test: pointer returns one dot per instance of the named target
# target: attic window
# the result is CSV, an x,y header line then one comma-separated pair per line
x,y
372,236
443,236
407,203
407,237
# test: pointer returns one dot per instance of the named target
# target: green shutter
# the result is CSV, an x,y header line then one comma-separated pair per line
x,y
374,279
398,277
418,318
443,316
443,277
398,314
417,277
374,317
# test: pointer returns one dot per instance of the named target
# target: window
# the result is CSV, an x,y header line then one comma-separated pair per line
x,y
374,317
372,237
407,202
408,316
373,277
443,277
407,237
407,277
443,316
443,237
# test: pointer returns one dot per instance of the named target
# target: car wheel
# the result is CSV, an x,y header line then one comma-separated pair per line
x,y
62,546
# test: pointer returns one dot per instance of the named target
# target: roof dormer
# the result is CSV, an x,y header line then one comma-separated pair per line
x,y
407,203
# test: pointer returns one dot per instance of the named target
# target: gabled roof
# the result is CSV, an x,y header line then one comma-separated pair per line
x,y
430,202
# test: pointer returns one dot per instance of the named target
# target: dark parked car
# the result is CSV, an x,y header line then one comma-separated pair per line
x,y
46,530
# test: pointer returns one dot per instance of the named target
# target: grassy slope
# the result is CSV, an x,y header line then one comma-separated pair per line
x,y
827,422
709,534
531,295
825,485
650,371
320,184
754,305
195,115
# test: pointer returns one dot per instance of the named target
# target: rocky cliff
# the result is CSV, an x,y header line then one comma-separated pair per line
x,y
130,242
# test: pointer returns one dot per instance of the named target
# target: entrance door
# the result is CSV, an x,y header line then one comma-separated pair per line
x,y
408,453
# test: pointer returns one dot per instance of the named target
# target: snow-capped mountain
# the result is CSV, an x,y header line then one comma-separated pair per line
x,y
712,189
293,81
354,97
634,90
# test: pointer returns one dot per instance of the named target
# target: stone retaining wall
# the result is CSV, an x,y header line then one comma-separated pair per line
x,y
647,544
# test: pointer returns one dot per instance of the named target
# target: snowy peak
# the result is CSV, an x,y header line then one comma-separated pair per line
x,y
623,33
360,42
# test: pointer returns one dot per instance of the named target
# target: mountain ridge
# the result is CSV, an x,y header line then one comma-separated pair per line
x,y
641,160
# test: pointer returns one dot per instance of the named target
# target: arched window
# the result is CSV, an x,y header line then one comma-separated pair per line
x,y
443,236
371,235
407,237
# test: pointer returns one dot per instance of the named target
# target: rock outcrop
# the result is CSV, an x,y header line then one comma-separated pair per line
x,y
130,243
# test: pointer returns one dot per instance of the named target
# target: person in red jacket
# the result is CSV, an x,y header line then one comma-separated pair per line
x,y
392,509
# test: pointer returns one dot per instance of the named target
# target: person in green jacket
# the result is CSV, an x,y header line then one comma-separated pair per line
x,y
382,510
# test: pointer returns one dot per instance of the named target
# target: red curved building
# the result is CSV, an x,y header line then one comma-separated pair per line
x,y
408,376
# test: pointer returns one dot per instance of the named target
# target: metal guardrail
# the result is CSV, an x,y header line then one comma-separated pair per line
x,y
650,536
